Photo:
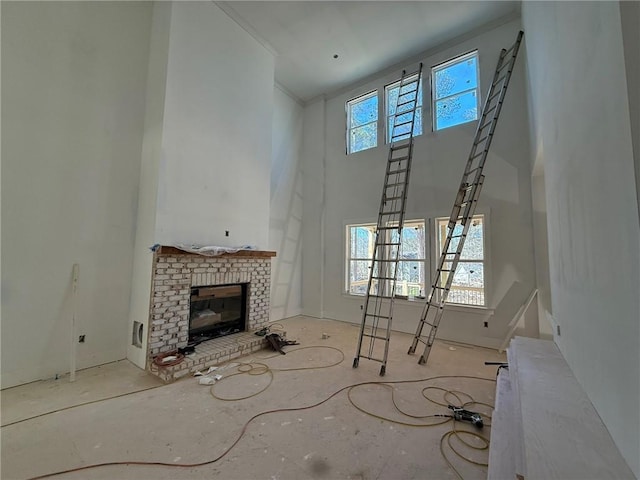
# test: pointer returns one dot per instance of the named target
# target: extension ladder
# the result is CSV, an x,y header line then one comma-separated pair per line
x,y
378,307
464,205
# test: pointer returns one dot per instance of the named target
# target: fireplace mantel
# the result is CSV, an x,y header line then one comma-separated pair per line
x,y
170,250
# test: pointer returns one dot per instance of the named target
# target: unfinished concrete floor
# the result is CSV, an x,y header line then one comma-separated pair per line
x,y
183,423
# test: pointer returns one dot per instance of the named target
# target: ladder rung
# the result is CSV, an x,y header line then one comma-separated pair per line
x,y
510,49
390,260
405,103
476,155
485,114
395,184
435,305
471,171
391,213
388,243
387,228
478,142
493,96
506,61
396,125
376,316
389,199
393,172
399,159
371,358
408,91
378,337
380,296
395,148
501,79
485,124
383,278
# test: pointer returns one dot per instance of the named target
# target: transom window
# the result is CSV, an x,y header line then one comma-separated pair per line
x,y
468,287
455,91
410,280
362,122
391,99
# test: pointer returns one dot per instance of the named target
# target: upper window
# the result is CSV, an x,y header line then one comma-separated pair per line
x,y
468,280
455,91
362,122
391,98
410,279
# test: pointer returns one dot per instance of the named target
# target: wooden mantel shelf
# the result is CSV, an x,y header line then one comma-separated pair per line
x,y
169,250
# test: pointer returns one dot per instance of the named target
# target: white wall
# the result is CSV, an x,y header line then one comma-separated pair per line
x,y
285,222
581,128
313,179
206,162
73,93
353,185
149,177
216,142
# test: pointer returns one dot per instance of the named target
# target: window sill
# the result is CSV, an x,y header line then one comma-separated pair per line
x,y
419,303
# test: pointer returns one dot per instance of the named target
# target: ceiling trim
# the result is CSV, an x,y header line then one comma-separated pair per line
x,y
288,92
233,15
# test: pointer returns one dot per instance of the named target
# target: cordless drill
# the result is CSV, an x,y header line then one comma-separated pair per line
x,y
462,414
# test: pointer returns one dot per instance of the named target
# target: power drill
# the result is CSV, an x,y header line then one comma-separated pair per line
x,y
462,414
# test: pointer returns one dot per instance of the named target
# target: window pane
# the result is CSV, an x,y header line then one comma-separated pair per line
x,y
364,111
469,274
466,296
456,110
474,246
363,137
358,276
413,241
456,78
362,241
410,279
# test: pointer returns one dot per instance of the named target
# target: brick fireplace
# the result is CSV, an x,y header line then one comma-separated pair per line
x,y
175,273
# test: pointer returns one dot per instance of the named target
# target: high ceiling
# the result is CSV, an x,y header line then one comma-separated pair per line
x,y
367,36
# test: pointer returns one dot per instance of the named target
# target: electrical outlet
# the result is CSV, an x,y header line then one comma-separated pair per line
x,y
226,233
81,339
486,324
361,307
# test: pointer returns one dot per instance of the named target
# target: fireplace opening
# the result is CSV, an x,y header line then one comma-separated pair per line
x,y
217,311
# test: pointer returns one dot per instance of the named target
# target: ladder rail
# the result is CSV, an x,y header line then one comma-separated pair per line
x,y
467,196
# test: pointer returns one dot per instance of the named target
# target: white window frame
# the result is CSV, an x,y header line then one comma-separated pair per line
x,y
348,107
401,289
438,222
388,115
434,101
